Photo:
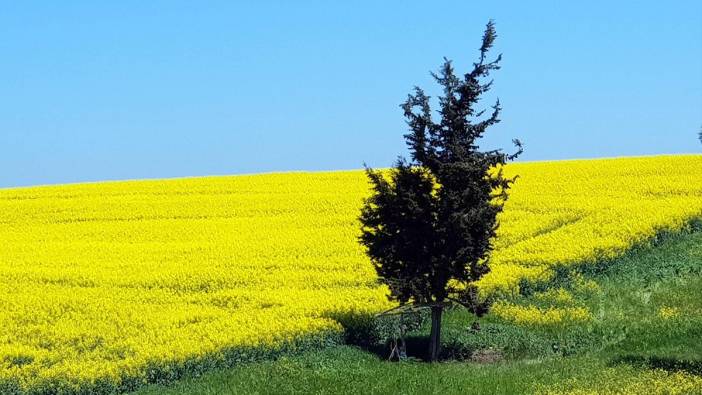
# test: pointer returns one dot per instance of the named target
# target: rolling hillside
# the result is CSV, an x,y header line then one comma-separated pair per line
x,y
108,286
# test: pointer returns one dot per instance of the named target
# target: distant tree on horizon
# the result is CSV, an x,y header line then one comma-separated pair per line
x,y
429,224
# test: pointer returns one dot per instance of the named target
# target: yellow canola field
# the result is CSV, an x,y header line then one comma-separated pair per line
x,y
576,211
108,285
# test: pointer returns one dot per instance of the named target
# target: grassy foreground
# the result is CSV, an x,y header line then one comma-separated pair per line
x,y
644,337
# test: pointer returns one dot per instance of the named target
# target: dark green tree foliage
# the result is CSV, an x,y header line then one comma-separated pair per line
x,y
430,222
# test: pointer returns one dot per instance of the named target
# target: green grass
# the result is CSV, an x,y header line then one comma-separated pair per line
x,y
628,346
347,369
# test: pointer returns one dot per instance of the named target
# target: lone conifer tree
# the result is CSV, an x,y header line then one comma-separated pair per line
x,y
428,227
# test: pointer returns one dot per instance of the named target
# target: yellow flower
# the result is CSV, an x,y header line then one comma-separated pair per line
x,y
532,315
558,296
667,313
625,381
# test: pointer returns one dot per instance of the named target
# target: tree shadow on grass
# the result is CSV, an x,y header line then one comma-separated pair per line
x,y
363,331
690,366
416,349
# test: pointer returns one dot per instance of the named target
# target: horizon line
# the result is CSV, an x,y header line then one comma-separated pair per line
x,y
248,174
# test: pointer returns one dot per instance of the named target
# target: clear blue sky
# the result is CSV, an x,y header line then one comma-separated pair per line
x,y
131,89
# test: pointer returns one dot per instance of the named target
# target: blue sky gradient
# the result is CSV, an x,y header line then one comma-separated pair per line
x,y
122,90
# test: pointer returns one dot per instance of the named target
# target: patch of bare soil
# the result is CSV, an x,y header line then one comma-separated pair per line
x,y
487,355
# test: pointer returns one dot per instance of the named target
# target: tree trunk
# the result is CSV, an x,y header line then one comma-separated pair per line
x,y
435,337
